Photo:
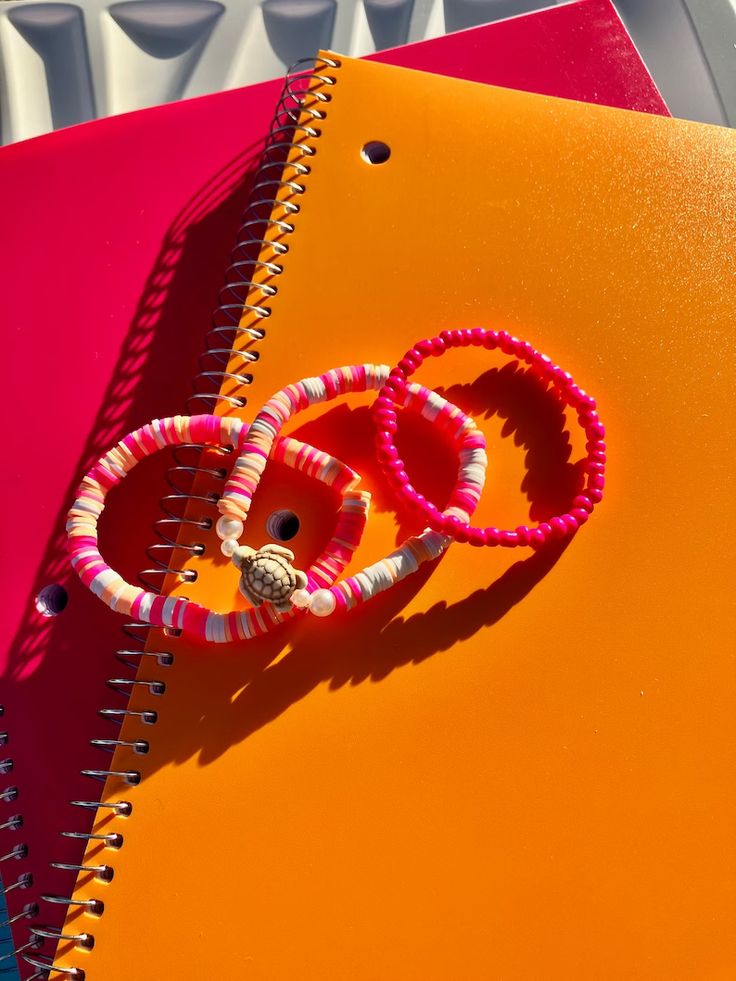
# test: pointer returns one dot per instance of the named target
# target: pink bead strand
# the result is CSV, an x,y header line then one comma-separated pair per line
x,y
394,393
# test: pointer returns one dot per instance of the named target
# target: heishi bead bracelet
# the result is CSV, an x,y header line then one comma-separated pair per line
x,y
176,612
274,588
235,502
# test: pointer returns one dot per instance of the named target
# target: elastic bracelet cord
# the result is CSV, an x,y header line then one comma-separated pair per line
x,y
393,394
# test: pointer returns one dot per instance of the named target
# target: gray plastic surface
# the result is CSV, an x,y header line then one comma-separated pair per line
x,y
688,46
62,63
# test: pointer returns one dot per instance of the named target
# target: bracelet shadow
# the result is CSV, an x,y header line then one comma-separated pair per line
x,y
245,693
53,677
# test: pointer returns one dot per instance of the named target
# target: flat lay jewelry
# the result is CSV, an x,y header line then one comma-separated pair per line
x,y
257,449
275,589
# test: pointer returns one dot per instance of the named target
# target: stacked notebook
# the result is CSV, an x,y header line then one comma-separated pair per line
x,y
486,772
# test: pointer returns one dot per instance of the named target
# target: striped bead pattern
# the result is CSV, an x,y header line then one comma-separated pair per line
x,y
177,612
394,392
280,408
257,449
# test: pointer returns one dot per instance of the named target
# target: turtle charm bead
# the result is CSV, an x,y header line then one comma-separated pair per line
x,y
267,575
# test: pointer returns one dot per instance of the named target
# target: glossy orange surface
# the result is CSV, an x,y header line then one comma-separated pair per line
x,y
519,766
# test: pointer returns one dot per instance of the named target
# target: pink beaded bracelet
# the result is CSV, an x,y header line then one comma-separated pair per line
x,y
394,391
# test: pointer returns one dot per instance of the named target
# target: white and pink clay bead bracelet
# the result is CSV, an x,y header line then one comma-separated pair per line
x,y
176,612
257,448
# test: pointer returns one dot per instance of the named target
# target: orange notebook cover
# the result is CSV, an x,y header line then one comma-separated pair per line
x,y
517,765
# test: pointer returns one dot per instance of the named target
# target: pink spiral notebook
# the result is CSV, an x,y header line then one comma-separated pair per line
x,y
114,243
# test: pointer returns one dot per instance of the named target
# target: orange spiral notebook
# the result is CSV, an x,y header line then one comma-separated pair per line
x,y
516,765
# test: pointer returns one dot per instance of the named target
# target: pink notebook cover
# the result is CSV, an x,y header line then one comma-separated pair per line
x,y
115,235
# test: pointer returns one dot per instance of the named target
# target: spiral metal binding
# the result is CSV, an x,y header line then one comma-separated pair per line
x,y
12,822
302,96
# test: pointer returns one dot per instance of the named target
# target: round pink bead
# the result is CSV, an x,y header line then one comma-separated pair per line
x,y
524,534
537,537
385,454
558,526
584,502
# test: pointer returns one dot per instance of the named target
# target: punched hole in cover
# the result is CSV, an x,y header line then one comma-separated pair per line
x,y
375,152
283,525
51,600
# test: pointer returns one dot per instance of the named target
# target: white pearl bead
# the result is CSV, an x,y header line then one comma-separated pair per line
x,y
228,546
323,603
301,599
228,527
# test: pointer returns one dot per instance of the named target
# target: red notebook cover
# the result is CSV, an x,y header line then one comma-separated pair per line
x,y
114,243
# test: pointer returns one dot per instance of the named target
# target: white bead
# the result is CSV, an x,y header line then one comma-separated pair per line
x,y
228,546
301,599
228,527
323,603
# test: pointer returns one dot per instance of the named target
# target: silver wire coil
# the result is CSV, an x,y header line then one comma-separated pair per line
x,y
274,175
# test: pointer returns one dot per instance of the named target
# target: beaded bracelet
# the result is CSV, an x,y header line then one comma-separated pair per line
x,y
275,589
268,580
393,393
176,612
235,502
